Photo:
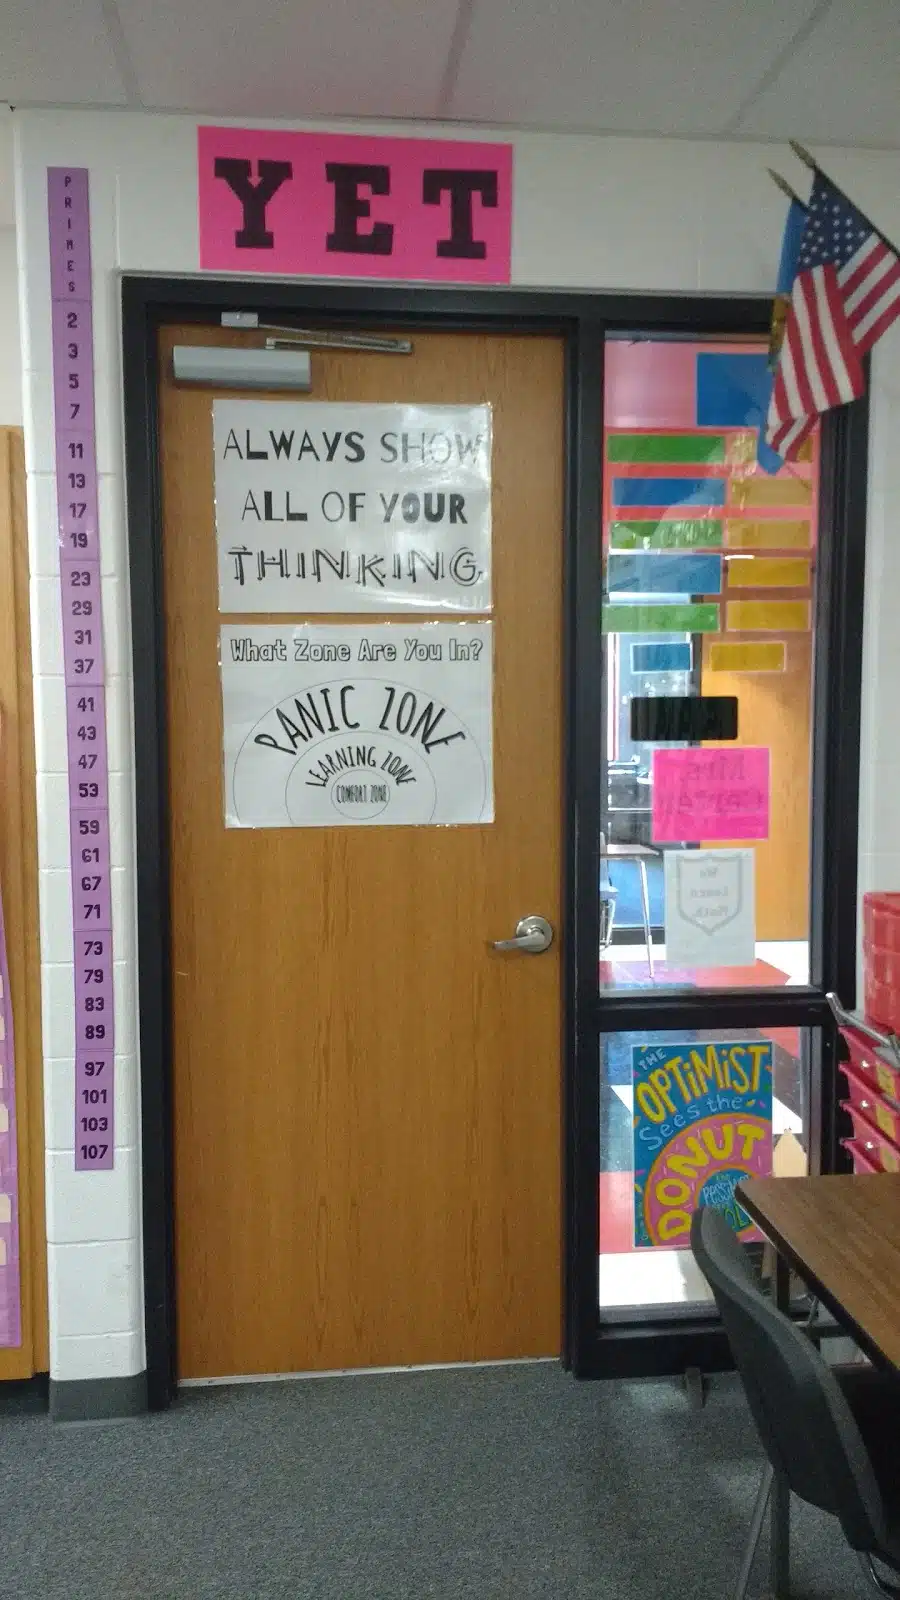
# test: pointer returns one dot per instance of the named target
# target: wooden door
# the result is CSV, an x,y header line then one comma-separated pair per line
x,y
19,885
366,1095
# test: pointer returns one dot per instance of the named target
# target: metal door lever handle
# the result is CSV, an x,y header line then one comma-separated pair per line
x,y
533,936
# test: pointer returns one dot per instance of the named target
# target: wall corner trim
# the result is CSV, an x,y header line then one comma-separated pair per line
x,y
98,1399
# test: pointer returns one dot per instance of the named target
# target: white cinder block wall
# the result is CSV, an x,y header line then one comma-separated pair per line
x,y
10,354
588,213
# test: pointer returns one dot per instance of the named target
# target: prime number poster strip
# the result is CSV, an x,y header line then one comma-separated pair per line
x,y
79,547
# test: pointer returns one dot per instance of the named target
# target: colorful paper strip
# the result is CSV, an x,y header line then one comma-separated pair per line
x,y
675,533
668,491
79,538
768,572
673,657
774,533
700,618
753,493
746,657
767,616
663,448
651,573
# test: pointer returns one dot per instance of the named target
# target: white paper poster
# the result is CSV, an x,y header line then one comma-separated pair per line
x,y
325,506
710,908
342,726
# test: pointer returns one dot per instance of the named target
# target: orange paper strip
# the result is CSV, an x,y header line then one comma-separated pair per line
x,y
750,492
747,657
773,534
767,616
768,572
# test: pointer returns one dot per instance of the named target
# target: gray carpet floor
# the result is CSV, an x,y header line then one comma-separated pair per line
x,y
491,1484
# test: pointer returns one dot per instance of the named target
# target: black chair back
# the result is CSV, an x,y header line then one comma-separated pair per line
x,y
806,1426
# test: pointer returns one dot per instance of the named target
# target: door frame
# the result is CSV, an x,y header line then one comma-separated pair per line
x,y
582,321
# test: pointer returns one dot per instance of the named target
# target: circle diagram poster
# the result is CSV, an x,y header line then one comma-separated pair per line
x,y
351,726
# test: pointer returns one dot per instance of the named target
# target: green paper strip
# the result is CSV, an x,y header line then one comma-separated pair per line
x,y
701,618
676,533
665,447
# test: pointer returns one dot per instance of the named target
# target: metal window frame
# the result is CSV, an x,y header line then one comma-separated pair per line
x,y
589,1346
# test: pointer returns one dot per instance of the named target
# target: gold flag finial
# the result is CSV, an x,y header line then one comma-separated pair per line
x,y
784,186
804,155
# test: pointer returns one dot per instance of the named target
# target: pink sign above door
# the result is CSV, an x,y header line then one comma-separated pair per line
x,y
354,206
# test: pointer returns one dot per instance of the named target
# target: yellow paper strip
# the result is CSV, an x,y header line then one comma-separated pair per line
x,y
746,657
768,572
4,1118
5,1208
773,534
2,1252
749,492
767,616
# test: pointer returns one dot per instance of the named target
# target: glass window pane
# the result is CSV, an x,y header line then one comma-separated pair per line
x,y
709,569
683,1116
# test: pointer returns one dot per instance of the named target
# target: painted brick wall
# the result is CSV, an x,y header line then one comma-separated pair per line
x,y
589,213
10,356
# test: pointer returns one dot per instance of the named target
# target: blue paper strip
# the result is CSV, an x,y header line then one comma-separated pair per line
x,y
661,657
732,390
646,572
668,491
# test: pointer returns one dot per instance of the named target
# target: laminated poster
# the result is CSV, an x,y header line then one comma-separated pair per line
x,y
328,506
340,726
710,908
702,1123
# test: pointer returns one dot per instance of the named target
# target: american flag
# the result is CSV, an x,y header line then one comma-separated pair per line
x,y
845,296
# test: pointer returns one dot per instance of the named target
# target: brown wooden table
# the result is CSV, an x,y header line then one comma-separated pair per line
x,y
841,1235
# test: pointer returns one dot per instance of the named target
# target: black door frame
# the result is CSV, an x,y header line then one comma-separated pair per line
x,y
582,320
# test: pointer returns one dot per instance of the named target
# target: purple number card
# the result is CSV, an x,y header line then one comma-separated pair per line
x,y
79,547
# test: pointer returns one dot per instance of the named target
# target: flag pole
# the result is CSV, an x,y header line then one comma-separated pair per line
x,y
785,187
809,161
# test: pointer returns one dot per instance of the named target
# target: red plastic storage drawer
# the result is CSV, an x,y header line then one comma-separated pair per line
x,y
882,965
878,1066
881,959
864,1160
881,920
865,1097
861,1088
882,1002
877,1146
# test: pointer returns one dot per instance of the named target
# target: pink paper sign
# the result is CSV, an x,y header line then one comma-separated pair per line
x,y
354,206
710,794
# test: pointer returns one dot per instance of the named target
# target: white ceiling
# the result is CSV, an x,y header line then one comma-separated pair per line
x,y
826,71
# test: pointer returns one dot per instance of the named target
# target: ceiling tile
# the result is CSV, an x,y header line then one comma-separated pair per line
x,y
843,87
57,52
272,58
651,66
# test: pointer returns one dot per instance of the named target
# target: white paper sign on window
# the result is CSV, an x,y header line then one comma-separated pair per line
x,y
342,726
710,908
326,506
